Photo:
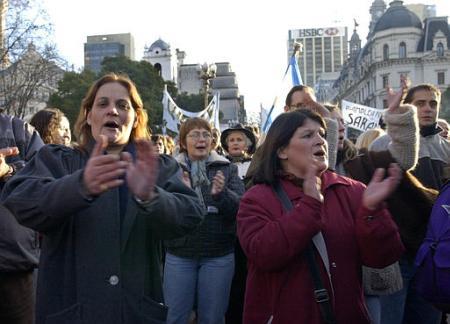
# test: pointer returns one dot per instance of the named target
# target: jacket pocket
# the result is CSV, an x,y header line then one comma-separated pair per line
x,y
69,315
152,312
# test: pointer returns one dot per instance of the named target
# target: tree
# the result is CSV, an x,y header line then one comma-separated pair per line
x,y
71,91
190,102
74,86
29,64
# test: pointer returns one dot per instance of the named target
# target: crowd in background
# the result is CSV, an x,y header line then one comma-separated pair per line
x,y
298,225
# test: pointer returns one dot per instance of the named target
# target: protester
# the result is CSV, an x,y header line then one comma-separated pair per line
x,y
170,145
103,206
355,227
299,97
434,152
18,245
366,138
159,142
53,126
215,144
413,205
199,267
239,144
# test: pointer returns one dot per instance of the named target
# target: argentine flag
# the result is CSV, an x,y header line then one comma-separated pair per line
x,y
291,78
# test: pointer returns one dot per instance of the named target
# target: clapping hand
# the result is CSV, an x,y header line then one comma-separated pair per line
x,y
103,171
5,169
218,183
142,174
380,189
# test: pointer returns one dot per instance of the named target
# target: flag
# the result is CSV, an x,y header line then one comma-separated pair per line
x,y
292,77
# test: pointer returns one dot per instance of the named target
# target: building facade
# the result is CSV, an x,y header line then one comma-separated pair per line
x,y
324,51
98,47
398,44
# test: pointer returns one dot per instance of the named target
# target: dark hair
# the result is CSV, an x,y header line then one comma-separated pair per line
x,y
46,122
278,137
189,125
424,86
294,89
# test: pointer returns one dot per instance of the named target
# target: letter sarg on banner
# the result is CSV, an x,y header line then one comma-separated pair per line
x,y
359,116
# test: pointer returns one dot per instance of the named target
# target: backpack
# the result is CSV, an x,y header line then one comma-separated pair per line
x,y
432,278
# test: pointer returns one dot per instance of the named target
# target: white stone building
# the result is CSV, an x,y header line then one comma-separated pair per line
x,y
399,43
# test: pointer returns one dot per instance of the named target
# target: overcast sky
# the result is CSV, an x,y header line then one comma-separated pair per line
x,y
251,35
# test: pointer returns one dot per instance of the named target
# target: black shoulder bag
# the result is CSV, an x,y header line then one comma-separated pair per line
x,y
320,292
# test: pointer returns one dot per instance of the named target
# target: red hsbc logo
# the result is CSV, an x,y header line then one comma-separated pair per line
x,y
331,31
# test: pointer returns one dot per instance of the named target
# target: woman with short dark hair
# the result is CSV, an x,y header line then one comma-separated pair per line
x,y
276,237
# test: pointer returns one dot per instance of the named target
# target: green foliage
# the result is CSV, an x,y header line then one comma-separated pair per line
x,y
74,86
190,102
71,91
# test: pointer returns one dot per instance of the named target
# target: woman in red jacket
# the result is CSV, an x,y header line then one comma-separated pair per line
x,y
355,226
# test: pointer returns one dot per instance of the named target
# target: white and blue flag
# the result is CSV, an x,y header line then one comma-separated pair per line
x,y
292,77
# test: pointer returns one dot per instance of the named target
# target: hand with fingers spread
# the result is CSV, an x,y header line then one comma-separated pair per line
x,y
394,98
143,173
5,168
380,189
218,183
103,172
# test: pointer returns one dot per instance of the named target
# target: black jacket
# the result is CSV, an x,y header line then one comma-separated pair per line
x,y
18,245
98,266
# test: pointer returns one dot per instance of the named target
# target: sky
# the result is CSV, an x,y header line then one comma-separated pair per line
x,y
251,35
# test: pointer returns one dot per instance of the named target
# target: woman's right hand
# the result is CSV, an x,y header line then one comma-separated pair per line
x,y
103,172
311,182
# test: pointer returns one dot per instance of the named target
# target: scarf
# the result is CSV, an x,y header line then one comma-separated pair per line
x,y
199,177
430,130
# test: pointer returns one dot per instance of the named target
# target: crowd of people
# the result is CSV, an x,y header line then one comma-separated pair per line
x,y
299,225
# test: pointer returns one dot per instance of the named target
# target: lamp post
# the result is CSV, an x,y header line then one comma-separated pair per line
x,y
207,72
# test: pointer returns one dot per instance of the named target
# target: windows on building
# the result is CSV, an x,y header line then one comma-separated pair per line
x,y
385,52
385,81
441,78
402,50
440,49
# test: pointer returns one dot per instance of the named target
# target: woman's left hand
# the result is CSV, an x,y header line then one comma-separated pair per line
x,y
218,183
380,189
142,174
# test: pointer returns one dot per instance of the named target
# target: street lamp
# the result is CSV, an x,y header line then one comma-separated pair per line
x,y
207,72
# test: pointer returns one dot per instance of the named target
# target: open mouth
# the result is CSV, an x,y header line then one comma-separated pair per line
x,y
320,154
111,124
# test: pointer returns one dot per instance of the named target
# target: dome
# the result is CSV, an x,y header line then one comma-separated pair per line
x,y
159,44
397,16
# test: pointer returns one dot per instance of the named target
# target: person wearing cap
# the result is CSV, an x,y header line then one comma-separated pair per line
x,y
239,144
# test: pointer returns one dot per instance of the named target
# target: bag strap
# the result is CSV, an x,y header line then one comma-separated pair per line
x,y
320,292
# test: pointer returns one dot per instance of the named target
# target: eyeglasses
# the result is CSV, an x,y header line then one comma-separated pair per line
x,y
196,135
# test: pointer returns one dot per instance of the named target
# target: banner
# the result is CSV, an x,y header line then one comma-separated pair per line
x,y
173,115
359,116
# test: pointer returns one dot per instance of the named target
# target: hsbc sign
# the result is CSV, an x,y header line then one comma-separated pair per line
x,y
318,32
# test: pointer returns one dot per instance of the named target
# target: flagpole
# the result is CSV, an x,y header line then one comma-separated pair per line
x,y
297,48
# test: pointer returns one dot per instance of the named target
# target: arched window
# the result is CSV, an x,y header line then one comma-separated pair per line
x,y
440,49
402,50
385,52
157,67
